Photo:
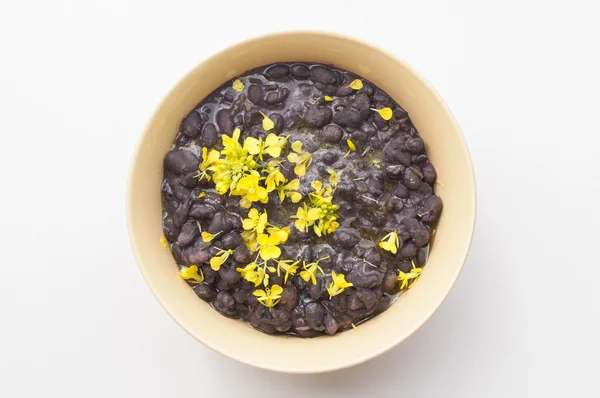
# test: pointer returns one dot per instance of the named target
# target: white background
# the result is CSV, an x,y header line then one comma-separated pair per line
x,y
78,81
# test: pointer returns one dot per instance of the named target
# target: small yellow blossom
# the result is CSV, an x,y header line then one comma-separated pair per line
x,y
390,242
300,158
413,275
238,85
267,246
208,160
338,284
164,243
267,123
351,147
385,113
282,233
231,145
306,217
202,194
269,297
253,273
192,273
271,146
356,84
309,272
327,98
207,237
219,259
249,188
274,177
289,190
333,178
255,221
289,266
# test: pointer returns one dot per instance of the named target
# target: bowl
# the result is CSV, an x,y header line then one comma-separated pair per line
x,y
237,340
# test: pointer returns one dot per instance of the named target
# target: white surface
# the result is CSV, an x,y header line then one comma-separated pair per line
x,y
77,84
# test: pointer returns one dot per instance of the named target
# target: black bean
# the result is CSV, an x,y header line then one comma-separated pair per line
x,y
354,303
225,304
225,121
411,179
368,297
432,207
329,157
191,125
205,292
395,172
429,173
415,145
389,281
331,325
322,75
202,211
170,230
314,314
300,71
289,297
220,223
401,191
210,275
180,161
275,97
196,255
189,233
229,275
318,116
255,94
278,71
347,117
331,134
180,215
242,255
231,240
346,237
365,276
408,250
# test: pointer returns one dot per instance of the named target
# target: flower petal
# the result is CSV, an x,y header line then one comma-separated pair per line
x,y
297,146
356,84
238,85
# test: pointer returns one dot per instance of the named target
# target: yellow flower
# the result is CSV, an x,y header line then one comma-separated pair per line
x,y
289,266
252,273
390,242
385,113
207,237
356,84
290,190
338,284
250,190
306,217
269,297
191,273
219,259
267,123
255,221
274,178
238,85
413,275
300,158
334,178
164,243
267,246
282,233
231,145
310,270
208,160
271,146
351,147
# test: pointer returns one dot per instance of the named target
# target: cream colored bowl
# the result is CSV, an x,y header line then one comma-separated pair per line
x,y
234,338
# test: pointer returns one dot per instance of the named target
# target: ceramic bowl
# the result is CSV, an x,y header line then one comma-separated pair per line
x,y
237,340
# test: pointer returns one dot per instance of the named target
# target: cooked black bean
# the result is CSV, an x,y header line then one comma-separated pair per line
x,y
181,161
331,134
386,184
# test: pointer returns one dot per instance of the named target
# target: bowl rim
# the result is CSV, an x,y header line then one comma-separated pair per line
x,y
471,217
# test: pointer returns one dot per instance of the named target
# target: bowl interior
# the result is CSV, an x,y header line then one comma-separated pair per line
x,y
235,339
